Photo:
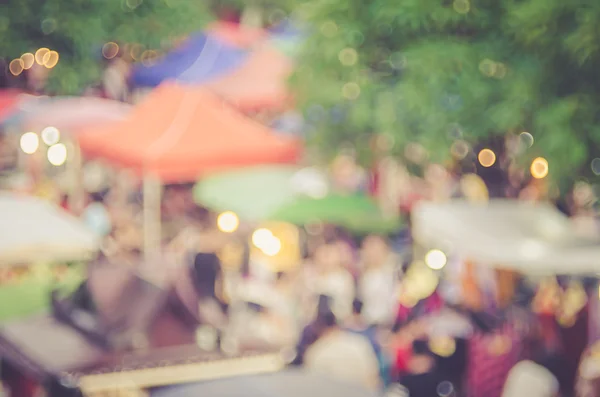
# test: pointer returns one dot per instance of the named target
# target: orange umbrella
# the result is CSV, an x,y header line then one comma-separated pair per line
x,y
179,133
260,83
235,34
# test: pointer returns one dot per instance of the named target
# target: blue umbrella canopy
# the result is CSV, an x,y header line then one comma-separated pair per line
x,y
281,384
198,60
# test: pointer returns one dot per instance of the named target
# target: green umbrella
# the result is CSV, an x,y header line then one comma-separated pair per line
x,y
358,213
252,193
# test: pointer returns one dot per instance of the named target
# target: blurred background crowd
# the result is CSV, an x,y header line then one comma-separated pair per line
x,y
400,196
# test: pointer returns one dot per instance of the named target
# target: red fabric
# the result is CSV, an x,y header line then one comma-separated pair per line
x,y
403,355
487,371
235,34
180,133
431,304
9,100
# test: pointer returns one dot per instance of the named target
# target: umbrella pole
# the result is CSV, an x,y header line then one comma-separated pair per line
x,y
152,218
77,194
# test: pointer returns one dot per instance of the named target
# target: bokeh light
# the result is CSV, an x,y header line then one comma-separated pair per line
x,y
28,60
348,56
29,142
329,29
50,135
539,168
40,54
435,259
351,90
486,158
272,246
526,139
57,154
16,67
459,149
462,6
110,50
50,59
596,166
228,222
261,236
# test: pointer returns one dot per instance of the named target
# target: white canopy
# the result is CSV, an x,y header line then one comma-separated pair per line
x,y
33,230
532,238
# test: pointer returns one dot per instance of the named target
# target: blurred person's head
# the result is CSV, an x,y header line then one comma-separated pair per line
x,y
327,257
422,359
375,250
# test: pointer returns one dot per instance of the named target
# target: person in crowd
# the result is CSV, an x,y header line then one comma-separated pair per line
x,y
422,378
378,281
530,379
96,215
313,330
358,325
333,280
343,355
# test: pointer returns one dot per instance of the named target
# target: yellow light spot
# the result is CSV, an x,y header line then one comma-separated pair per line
x,y
500,71
50,59
16,67
488,67
50,135
351,90
39,55
149,57
136,51
110,50
348,56
329,29
435,259
261,236
228,222
28,60
459,149
29,142
539,168
462,6
57,154
487,158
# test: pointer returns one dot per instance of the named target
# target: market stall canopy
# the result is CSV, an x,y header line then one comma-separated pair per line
x,y
291,383
532,238
357,213
254,193
68,113
10,99
236,34
260,83
180,133
198,60
33,230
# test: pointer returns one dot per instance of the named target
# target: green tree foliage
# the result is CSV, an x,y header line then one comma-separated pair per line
x,y
77,29
434,71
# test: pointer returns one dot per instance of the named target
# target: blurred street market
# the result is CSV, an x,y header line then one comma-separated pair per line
x,y
299,198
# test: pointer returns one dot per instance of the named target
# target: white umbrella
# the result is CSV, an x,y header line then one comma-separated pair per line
x,y
33,230
531,238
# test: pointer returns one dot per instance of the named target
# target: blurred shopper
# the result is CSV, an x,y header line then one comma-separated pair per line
x,y
422,378
96,215
377,284
332,279
343,355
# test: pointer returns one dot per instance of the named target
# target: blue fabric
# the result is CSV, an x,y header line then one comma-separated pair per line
x,y
199,59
